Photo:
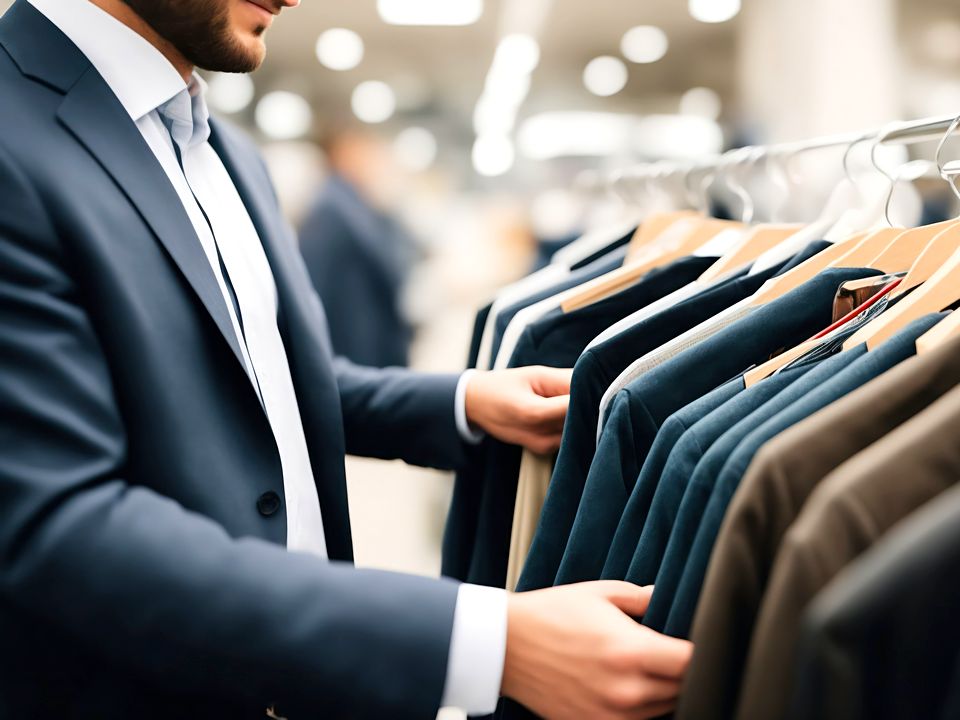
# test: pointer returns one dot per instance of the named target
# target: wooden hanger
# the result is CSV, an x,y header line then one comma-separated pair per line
x,y
652,227
948,233
616,280
868,248
752,377
906,247
939,292
852,252
941,333
933,257
777,287
851,286
795,277
756,242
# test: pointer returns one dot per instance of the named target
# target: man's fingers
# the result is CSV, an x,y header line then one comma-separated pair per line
x,y
636,696
541,444
658,709
659,690
549,382
551,412
662,655
631,599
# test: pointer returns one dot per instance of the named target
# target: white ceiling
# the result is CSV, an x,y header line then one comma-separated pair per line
x,y
448,65
452,62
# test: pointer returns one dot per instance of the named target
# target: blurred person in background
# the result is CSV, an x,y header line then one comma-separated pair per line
x,y
358,255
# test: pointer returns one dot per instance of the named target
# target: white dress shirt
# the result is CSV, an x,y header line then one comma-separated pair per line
x,y
166,110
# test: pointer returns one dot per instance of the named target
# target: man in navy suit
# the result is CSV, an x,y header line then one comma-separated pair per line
x,y
174,534
358,255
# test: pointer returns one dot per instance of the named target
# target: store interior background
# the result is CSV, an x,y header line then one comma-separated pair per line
x,y
481,154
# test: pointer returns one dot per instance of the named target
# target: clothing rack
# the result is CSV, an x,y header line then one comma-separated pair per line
x,y
898,133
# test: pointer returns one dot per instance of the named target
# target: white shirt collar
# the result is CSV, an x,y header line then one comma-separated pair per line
x,y
139,75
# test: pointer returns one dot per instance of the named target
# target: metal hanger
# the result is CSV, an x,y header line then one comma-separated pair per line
x,y
939,292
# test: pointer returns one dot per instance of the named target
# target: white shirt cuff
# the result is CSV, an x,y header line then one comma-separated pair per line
x,y
468,434
477,649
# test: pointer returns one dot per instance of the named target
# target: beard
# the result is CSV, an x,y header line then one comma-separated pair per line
x,y
200,31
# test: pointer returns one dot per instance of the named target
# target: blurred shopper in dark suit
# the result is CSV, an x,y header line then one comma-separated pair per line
x,y
358,256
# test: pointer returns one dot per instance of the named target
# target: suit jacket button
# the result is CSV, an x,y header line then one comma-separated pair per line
x,y
268,503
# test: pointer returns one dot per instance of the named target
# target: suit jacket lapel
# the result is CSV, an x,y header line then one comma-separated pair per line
x,y
92,113
95,117
262,211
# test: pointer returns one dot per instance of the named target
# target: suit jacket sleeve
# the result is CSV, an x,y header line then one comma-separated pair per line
x,y
393,413
140,579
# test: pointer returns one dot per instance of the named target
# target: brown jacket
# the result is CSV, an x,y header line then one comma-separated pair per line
x,y
770,498
851,509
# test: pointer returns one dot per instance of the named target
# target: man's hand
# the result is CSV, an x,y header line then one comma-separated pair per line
x,y
524,406
575,652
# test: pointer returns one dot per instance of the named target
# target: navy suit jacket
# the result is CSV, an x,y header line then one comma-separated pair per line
x,y
556,340
359,260
656,395
684,595
142,523
643,497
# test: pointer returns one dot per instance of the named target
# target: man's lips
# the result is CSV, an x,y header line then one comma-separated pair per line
x,y
265,6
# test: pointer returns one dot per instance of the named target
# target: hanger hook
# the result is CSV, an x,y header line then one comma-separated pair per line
x,y
661,171
877,142
849,152
759,154
709,178
618,189
945,173
778,170
727,163
747,160
689,193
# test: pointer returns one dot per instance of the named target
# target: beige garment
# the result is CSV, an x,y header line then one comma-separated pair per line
x,y
532,483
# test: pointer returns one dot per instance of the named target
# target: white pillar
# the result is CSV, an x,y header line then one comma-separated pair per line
x,y
817,67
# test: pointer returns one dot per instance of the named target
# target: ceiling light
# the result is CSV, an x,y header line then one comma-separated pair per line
x,y
585,134
373,101
283,115
605,76
492,117
493,155
339,49
644,44
415,149
507,90
517,53
702,102
714,11
430,12
676,137
229,92
575,134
